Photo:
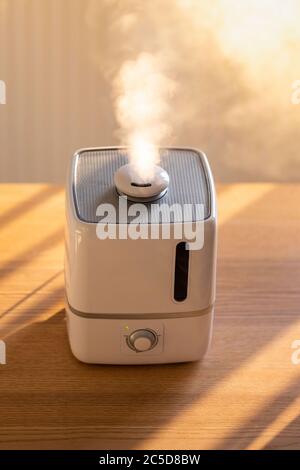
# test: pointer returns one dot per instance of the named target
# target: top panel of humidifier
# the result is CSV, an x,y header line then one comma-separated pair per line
x,y
93,180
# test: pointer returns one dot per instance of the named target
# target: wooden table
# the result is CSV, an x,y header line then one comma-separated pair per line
x,y
245,394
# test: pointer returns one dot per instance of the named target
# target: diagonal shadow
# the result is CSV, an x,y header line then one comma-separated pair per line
x,y
288,438
23,318
31,294
109,407
79,401
24,258
26,205
256,426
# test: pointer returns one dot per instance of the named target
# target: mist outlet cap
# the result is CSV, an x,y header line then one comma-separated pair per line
x,y
129,184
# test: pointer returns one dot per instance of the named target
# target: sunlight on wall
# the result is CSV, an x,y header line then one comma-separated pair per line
x,y
234,63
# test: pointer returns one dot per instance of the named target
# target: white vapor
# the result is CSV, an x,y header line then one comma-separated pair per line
x,y
232,66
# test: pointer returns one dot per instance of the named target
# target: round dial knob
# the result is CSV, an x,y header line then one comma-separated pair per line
x,y
142,340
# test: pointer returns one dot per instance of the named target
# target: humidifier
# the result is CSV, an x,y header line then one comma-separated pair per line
x,y
139,288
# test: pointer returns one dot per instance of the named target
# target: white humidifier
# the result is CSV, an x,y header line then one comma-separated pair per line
x,y
138,289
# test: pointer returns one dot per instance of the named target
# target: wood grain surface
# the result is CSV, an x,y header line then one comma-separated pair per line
x,y
244,394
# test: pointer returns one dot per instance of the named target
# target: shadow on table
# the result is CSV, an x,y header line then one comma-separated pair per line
x,y
29,204
61,403
258,433
288,438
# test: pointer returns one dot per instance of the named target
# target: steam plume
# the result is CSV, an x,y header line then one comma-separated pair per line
x,y
141,73
233,63
143,110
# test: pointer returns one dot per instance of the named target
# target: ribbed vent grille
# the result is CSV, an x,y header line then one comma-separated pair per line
x,y
94,172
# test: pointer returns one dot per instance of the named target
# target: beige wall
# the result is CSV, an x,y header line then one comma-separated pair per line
x,y
55,96
235,101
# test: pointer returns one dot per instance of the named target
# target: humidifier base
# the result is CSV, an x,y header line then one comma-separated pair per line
x,y
99,340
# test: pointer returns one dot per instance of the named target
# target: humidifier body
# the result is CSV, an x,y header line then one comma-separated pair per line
x,y
138,300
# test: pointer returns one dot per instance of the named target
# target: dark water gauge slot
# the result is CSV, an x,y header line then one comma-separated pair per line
x,y
181,272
